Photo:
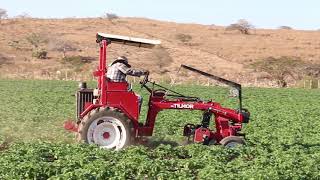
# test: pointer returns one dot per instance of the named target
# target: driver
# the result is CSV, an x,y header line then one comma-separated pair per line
x,y
120,68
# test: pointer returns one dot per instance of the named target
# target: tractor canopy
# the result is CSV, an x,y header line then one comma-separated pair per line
x,y
126,40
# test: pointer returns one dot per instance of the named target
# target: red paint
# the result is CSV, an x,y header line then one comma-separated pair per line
x,y
116,95
70,126
106,135
200,134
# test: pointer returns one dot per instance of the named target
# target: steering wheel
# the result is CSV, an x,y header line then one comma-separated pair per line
x,y
145,80
159,92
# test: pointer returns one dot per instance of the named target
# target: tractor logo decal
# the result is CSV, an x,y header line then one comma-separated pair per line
x,y
182,106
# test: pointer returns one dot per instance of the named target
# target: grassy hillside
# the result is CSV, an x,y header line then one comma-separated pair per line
x,y
282,138
209,48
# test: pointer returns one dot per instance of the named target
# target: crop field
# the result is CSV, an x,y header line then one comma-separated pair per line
x,y
283,138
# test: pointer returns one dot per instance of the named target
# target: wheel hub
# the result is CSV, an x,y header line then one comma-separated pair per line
x,y
106,135
107,132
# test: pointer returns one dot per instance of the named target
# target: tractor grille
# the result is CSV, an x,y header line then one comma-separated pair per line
x,y
83,96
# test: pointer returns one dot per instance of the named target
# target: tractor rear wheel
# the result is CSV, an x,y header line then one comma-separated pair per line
x,y
232,141
107,127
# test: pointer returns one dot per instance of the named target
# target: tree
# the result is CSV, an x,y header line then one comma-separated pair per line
x,y
36,40
312,70
242,25
64,47
162,57
3,14
111,16
285,27
23,16
280,68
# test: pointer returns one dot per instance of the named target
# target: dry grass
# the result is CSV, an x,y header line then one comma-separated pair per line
x,y
210,48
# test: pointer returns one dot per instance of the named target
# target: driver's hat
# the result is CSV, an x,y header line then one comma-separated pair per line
x,y
122,58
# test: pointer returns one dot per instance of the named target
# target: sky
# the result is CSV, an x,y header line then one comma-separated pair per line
x,y
298,14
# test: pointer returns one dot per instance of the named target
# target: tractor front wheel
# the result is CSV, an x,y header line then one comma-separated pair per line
x,y
232,141
107,127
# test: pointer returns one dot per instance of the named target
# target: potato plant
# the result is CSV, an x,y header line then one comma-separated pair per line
x,y
282,138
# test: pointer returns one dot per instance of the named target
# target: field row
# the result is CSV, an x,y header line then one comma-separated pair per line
x,y
282,138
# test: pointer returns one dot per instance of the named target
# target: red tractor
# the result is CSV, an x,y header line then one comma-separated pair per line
x,y
109,115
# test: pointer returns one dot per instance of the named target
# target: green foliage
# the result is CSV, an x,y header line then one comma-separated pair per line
x,y
36,40
282,138
283,68
280,68
76,62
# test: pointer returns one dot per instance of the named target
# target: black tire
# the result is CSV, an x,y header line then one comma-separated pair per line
x,y
232,141
113,114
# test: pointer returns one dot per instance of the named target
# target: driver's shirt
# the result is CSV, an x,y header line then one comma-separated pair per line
x,y
119,71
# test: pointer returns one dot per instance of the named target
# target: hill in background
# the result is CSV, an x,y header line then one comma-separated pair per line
x,y
71,51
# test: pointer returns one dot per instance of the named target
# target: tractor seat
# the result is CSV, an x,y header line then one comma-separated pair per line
x,y
117,86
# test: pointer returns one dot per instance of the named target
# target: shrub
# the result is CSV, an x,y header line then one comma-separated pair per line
x,y
162,58
73,60
286,27
242,25
22,45
62,46
36,40
312,70
184,37
308,83
77,62
111,16
23,16
3,14
279,68
4,59
40,53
